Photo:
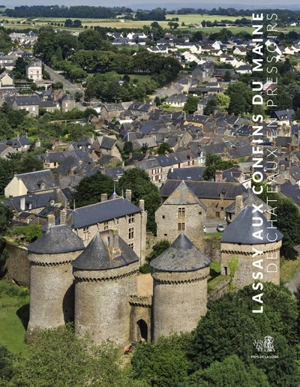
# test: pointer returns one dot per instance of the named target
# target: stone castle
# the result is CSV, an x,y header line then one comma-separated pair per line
x,y
97,285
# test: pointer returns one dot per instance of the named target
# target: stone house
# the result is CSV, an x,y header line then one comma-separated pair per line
x,y
31,182
34,70
113,213
6,81
216,196
106,145
181,212
110,111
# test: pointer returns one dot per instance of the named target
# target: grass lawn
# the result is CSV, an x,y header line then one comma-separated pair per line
x,y
140,77
288,268
14,302
219,234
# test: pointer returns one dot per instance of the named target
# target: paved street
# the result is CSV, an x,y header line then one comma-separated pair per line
x,y
211,224
59,78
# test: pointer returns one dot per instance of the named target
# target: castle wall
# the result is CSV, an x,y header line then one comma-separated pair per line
x,y
216,207
244,275
140,313
179,301
102,306
17,266
51,290
169,222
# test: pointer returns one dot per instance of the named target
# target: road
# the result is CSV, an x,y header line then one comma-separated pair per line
x,y
211,224
69,86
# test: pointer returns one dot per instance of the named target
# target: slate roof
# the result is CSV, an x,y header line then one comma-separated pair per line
x,y
183,195
205,189
243,231
249,198
32,180
193,173
101,212
32,201
97,255
107,143
58,239
181,256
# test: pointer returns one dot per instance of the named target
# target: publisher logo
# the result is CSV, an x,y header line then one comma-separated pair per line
x,y
264,346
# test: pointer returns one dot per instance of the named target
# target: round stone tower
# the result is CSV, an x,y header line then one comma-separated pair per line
x,y
105,276
51,278
179,288
253,243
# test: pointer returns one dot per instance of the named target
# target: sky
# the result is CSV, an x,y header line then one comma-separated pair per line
x,y
105,3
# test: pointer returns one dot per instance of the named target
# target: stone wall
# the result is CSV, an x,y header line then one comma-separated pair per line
x,y
270,262
51,291
17,265
212,248
168,222
102,306
179,301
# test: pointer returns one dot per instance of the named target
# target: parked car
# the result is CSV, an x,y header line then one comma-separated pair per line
x,y
220,228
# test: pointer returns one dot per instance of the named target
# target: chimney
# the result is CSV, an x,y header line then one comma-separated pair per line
x,y
282,168
238,204
51,221
103,197
128,195
113,243
142,204
63,216
219,176
22,204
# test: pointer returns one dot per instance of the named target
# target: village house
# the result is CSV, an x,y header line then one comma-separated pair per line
x,y
34,70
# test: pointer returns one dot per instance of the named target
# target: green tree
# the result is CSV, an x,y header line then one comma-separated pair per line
x,y
30,163
237,104
69,23
231,372
230,328
6,365
227,76
223,101
163,148
90,188
6,216
138,181
164,363
59,358
210,107
191,104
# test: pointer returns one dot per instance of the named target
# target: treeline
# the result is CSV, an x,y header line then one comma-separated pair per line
x,y
79,11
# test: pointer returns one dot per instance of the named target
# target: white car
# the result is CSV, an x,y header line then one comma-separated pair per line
x,y
204,228
220,228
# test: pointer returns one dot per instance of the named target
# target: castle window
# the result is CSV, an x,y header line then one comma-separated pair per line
x,y
105,225
181,212
86,234
200,212
165,235
131,245
131,233
163,216
131,219
181,226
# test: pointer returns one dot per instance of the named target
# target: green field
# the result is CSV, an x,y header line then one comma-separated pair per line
x,y
13,316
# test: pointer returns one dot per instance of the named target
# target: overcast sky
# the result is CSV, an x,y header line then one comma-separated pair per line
x,y
112,3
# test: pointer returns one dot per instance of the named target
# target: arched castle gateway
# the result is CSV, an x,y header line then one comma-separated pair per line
x,y
249,238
